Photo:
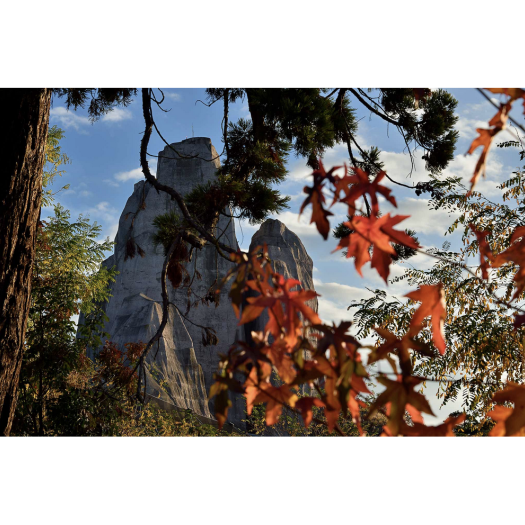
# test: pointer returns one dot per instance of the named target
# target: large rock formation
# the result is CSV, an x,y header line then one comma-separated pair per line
x,y
181,367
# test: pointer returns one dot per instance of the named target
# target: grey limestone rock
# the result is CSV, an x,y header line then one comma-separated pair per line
x,y
182,363
180,367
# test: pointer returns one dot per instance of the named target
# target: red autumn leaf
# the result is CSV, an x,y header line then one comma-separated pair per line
x,y
278,354
361,185
274,397
399,397
400,347
219,390
484,139
254,264
513,93
421,94
378,233
305,405
519,321
509,421
446,429
338,338
317,199
432,299
485,253
516,254
278,300
354,405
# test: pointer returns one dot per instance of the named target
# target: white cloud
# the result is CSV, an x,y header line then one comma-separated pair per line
x,y
467,127
117,115
422,219
111,182
177,97
335,299
111,231
69,119
135,174
123,176
103,211
86,193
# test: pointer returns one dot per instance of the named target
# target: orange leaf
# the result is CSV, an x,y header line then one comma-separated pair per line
x,y
445,429
278,300
317,199
399,397
400,347
485,253
509,421
432,299
305,405
378,233
361,185
516,254
281,359
484,139
421,94
513,92
274,397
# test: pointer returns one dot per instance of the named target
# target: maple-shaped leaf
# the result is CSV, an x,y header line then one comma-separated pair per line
x,y
361,185
484,139
274,397
509,421
338,338
446,429
421,94
253,265
432,298
304,405
219,390
519,321
399,347
514,253
354,406
378,233
279,300
316,198
513,93
400,397
485,252
278,354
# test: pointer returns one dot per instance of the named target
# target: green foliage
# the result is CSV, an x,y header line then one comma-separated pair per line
x,y
54,159
167,226
101,101
66,280
428,122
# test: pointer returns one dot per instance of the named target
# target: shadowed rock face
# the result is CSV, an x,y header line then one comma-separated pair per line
x,y
180,362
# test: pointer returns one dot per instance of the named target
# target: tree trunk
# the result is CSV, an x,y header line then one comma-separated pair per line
x,y
23,136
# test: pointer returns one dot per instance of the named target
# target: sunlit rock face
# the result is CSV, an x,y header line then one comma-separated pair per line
x,y
180,366
180,361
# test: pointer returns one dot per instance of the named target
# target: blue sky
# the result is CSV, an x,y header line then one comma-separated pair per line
x,y
105,165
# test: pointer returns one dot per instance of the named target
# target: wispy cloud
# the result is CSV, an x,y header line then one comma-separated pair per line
x,y
135,174
117,115
173,95
124,176
69,119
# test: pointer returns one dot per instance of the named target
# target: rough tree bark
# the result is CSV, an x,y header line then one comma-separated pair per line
x,y
23,137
